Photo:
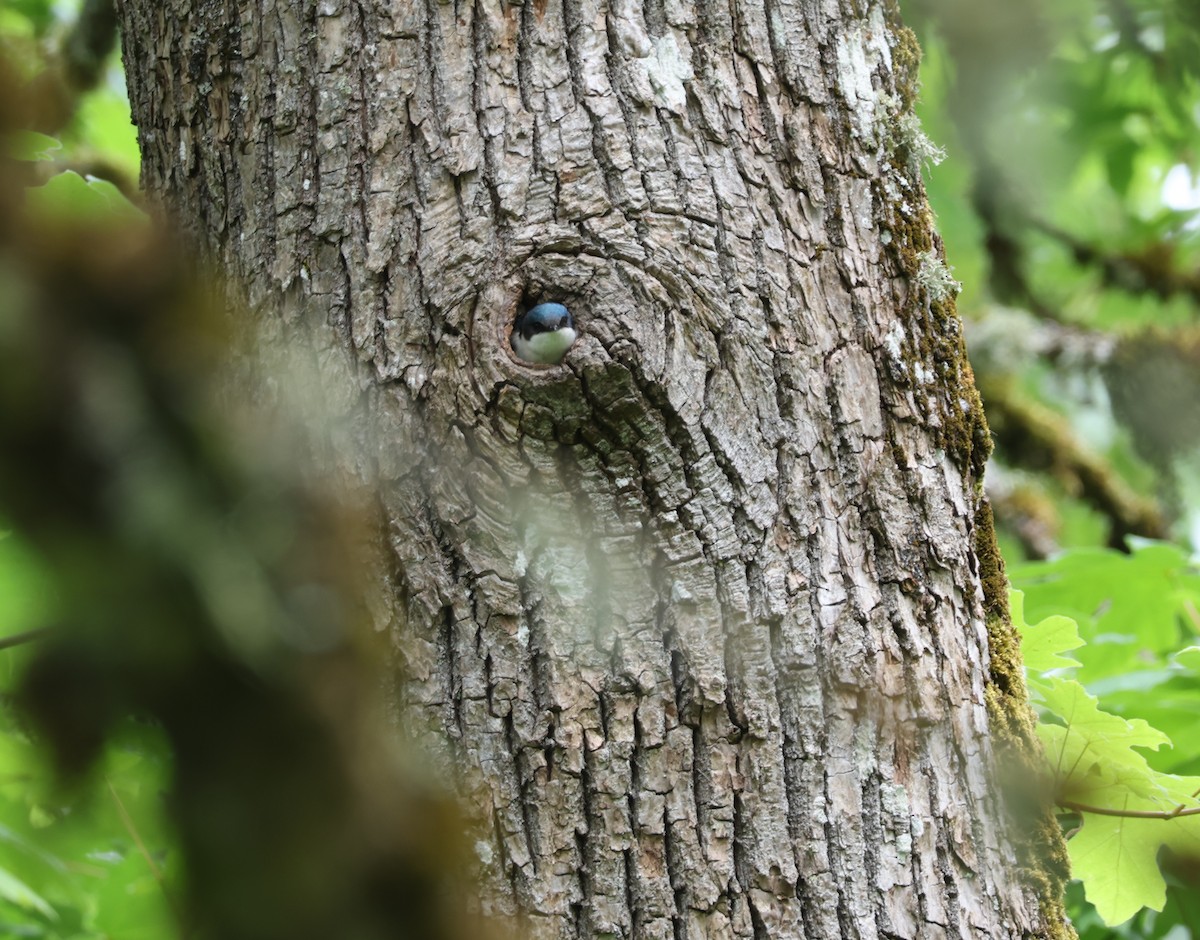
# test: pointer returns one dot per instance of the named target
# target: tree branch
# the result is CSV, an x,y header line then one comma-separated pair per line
x,y
1131,813
18,639
1148,270
1042,440
1027,511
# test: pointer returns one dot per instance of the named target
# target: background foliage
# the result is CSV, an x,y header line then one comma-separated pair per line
x,y
1115,671
1068,205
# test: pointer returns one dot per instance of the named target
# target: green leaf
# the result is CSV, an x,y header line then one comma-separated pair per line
x,y
24,845
1093,748
68,195
1189,658
1143,595
14,24
103,126
24,589
1099,758
1116,857
1117,860
1119,161
14,890
1082,715
37,14
33,147
1043,643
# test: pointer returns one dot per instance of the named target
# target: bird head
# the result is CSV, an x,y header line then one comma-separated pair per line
x,y
543,333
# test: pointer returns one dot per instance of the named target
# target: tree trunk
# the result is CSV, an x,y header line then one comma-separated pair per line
x,y
700,616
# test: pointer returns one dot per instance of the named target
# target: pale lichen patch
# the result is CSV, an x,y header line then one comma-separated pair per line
x,y
860,52
667,68
920,149
935,276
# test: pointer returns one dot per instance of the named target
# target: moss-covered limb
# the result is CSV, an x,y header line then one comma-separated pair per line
x,y
1148,269
1153,380
1039,439
1028,512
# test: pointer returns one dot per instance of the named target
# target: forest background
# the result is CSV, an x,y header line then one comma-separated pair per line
x,y
1063,163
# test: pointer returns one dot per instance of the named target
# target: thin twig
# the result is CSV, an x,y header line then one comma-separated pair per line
x,y
1175,813
17,639
127,821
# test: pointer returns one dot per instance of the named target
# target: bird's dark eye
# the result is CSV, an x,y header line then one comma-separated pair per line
x,y
564,322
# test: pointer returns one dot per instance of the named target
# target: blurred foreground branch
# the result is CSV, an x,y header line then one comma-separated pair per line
x,y
205,584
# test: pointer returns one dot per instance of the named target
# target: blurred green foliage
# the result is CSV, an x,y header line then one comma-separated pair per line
x,y
1115,670
1068,207
94,858
91,859
182,597
98,133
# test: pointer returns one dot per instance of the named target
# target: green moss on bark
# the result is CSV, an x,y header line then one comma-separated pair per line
x,y
1039,839
936,348
936,366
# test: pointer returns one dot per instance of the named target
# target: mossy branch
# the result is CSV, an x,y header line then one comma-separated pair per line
x,y
1041,440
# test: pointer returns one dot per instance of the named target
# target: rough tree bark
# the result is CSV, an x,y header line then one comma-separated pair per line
x,y
702,615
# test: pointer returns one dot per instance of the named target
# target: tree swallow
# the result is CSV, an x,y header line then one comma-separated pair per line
x,y
543,334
